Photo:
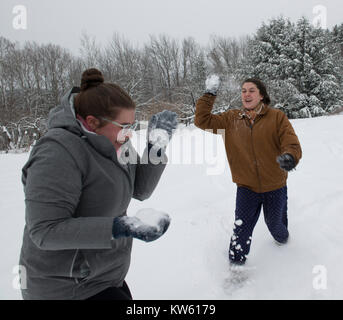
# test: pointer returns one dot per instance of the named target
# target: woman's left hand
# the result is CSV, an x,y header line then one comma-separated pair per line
x,y
286,161
161,127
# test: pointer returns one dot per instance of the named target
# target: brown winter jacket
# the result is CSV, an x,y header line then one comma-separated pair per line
x,y
252,149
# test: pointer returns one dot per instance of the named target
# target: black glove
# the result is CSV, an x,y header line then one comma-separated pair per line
x,y
212,85
160,128
286,161
125,226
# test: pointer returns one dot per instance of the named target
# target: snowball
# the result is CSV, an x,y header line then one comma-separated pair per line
x,y
151,217
239,222
212,83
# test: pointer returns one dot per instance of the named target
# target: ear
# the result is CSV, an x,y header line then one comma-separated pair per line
x,y
92,122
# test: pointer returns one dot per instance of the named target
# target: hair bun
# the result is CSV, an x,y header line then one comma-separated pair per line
x,y
91,78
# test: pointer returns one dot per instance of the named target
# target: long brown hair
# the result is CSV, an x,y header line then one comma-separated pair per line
x,y
99,98
261,87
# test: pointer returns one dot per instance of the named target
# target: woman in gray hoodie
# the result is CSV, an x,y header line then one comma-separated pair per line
x,y
78,183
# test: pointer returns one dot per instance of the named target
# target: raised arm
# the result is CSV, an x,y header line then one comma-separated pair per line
x,y
204,119
149,169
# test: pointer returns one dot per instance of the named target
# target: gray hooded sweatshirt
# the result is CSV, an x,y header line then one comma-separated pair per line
x,y
74,186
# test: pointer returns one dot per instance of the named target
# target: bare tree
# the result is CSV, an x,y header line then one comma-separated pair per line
x,y
90,51
165,55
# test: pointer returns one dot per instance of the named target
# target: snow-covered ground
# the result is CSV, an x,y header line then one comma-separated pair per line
x,y
190,260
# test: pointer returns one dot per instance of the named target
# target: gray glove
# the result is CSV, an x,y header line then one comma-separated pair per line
x,y
286,161
212,85
125,226
160,128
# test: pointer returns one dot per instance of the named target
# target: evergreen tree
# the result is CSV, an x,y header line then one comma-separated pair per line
x,y
337,34
297,62
318,77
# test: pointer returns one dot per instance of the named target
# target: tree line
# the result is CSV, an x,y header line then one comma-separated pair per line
x,y
302,66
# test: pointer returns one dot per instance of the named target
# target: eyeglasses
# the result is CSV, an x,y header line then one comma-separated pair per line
x,y
129,126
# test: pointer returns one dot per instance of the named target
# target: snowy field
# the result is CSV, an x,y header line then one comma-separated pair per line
x,y
190,260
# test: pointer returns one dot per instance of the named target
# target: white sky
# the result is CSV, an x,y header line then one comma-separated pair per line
x,y
62,21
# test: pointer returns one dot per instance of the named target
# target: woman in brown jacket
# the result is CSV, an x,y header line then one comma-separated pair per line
x,y
261,148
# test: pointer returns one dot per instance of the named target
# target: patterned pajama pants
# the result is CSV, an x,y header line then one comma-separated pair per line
x,y
248,208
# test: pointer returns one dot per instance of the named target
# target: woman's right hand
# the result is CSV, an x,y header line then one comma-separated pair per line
x,y
212,84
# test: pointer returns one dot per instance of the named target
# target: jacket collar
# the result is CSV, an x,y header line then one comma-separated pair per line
x,y
241,114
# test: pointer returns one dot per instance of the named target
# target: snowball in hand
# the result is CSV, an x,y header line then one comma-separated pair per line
x,y
148,224
212,84
159,138
153,218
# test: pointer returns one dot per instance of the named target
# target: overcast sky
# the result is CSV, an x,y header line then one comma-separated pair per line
x,y
63,21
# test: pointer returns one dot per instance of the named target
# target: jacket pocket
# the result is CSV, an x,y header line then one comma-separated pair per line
x,y
79,269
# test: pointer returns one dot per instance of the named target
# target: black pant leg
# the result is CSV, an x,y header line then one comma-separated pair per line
x,y
248,208
113,293
275,213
